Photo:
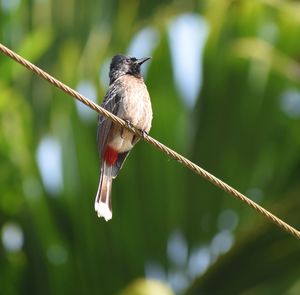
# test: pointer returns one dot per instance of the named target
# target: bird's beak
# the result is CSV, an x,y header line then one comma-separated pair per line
x,y
142,60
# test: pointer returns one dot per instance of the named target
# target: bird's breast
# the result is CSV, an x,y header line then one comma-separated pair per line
x,y
136,106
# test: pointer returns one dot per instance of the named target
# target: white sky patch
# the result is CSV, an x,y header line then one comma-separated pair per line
x,y
12,237
290,103
104,72
178,281
50,164
143,44
177,249
87,89
221,243
199,262
269,32
154,270
228,220
188,34
9,5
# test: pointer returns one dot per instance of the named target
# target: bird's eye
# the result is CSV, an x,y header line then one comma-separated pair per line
x,y
133,59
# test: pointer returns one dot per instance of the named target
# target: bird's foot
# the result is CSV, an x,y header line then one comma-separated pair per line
x,y
144,133
128,123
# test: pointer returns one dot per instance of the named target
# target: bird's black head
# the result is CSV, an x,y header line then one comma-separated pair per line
x,y
124,64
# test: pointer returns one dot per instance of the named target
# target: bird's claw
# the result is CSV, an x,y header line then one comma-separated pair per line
x,y
144,133
128,123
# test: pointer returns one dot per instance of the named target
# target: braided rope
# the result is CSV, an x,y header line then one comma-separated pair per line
x,y
172,154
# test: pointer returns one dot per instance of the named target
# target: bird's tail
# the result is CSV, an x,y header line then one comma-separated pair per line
x,y
103,197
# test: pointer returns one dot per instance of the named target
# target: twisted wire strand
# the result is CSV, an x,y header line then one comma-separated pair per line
x,y
169,152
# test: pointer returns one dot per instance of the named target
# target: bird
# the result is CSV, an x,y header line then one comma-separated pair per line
x,y
127,97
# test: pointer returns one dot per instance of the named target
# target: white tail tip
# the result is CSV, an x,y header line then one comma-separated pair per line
x,y
103,210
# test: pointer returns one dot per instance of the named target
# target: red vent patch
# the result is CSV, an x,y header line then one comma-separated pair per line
x,y
110,156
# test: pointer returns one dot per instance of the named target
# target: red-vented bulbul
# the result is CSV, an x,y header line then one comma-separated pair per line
x,y
128,98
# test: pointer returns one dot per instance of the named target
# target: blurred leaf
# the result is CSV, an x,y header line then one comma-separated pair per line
x,y
269,56
147,287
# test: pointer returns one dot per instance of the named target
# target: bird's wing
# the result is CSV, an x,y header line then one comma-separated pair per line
x,y
119,163
111,102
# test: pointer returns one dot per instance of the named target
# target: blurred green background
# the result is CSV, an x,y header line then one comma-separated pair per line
x,y
225,87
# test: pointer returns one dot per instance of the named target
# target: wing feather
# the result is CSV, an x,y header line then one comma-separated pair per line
x,y
111,102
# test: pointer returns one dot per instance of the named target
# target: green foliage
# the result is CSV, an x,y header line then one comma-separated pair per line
x,y
243,128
